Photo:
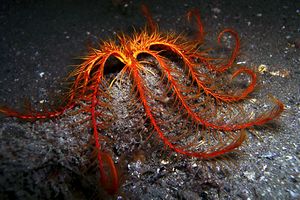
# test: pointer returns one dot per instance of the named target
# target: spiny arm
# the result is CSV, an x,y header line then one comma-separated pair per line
x,y
201,85
223,66
196,13
34,115
152,25
221,150
225,127
109,179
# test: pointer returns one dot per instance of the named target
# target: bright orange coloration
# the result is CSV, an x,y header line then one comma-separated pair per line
x,y
217,118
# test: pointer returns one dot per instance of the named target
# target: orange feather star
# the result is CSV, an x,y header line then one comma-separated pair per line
x,y
192,94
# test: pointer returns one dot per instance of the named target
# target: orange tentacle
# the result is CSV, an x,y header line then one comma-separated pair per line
x,y
235,51
204,155
216,94
245,92
152,25
36,115
196,13
226,127
111,183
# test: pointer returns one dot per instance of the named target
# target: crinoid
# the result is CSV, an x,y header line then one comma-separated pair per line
x,y
196,104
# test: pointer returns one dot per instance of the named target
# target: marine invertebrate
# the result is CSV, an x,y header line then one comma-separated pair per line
x,y
194,94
